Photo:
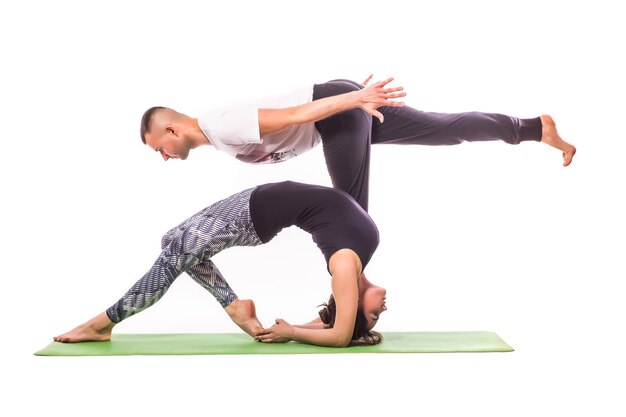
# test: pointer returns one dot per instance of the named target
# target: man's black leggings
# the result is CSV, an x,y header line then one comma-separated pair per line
x,y
347,136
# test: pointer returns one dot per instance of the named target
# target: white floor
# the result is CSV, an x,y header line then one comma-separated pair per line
x,y
556,378
481,236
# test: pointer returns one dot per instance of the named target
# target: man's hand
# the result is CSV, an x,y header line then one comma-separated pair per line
x,y
281,332
372,97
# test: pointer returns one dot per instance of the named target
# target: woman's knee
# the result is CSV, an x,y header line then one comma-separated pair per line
x,y
167,238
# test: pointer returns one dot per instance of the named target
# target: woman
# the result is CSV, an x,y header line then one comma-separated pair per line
x,y
342,230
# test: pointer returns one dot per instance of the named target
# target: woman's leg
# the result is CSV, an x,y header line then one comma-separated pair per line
x,y
208,276
204,273
241,312
346,143
188,246
222,225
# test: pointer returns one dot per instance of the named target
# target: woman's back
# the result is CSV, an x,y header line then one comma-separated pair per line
x,y
332,217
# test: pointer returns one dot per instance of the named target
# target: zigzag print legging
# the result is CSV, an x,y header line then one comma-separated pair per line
x,y
188,248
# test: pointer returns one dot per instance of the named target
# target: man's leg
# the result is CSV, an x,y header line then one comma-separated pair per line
x,y
408,126
550,136
346,143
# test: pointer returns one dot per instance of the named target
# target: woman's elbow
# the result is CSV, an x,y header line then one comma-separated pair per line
x,y
343,342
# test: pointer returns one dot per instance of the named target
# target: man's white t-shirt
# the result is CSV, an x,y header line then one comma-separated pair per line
x,y
235,130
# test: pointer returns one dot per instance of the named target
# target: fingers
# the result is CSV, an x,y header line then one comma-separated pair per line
x,y
383,95
387,100
392,89
261,331
392,92
379,88
263,335
394,95
272,339
268,337
383,82
367,80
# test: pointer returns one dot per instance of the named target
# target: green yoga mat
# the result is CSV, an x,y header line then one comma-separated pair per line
x,y
241,344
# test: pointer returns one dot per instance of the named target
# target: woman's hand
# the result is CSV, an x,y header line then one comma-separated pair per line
x,y
370,98
281,332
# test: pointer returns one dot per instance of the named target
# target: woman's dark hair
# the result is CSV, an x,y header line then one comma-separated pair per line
x,y
361,336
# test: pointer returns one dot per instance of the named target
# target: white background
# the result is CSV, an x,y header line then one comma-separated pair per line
x,y
482,236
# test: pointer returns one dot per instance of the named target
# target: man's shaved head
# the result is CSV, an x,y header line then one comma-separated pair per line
x,y
153,114
170,133
146,121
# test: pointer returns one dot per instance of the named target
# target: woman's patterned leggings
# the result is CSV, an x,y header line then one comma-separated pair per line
x,y
189,248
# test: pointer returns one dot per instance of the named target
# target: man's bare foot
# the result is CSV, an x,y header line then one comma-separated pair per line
x,y
550,136
97,329
243,313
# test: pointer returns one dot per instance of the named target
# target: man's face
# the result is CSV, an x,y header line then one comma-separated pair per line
x,y
168,141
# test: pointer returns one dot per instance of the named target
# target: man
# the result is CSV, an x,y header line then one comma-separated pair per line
x,y
346,117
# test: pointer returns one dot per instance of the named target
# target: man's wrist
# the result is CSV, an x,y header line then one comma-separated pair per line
x,y
352,100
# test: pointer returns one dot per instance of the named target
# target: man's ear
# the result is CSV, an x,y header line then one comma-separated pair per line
x,y
171,129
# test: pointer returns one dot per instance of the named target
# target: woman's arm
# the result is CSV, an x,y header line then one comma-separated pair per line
x,y
345,268
368,99
316,323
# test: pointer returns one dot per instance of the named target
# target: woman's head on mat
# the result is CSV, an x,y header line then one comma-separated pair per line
x,y
371,305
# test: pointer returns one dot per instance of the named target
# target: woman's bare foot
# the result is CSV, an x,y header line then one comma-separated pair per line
x,y
97,329
550,136
243,313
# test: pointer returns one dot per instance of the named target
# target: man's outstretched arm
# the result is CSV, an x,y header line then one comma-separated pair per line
x,y
368,99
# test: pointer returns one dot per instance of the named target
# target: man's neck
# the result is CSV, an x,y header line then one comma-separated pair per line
x,y
198,137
